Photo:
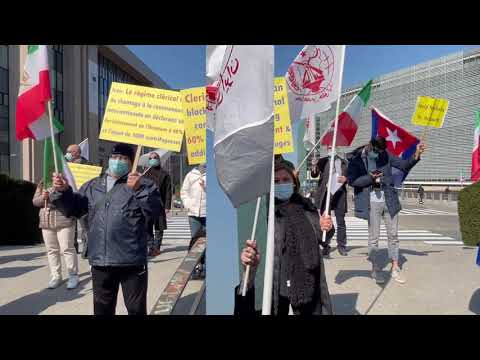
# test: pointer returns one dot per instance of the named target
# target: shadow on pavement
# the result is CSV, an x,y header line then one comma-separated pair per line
x,y
384,261
21,257
345,275
474,305
176,248
184,304
345,304
34,304
9,272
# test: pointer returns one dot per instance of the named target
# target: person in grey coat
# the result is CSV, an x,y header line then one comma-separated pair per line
x,y
120,204
375,197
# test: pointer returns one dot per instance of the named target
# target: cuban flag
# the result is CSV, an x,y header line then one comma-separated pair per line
x,y
399,141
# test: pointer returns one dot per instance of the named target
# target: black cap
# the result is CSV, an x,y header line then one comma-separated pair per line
x,y
125,150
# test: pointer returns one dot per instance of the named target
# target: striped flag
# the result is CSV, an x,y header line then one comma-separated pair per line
x,y
349,119
84,149
476,149
49,165
243,122
33,95
399,141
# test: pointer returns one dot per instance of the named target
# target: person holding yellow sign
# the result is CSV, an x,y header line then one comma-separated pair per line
x,y
119,205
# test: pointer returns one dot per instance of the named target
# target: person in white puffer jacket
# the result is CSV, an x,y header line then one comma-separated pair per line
x,y
194,198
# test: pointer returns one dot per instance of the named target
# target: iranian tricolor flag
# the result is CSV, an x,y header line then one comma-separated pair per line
x,y
348,120
476,149
33,96
49,165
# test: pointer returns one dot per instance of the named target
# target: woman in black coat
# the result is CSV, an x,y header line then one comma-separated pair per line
x,y
299,280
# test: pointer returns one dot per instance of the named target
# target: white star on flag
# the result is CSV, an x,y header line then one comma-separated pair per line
x,y
393,137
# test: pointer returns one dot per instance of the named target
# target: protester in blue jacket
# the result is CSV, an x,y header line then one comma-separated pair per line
x,y
375,197
120,204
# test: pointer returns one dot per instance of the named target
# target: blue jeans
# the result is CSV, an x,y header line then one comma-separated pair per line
x,y
197,225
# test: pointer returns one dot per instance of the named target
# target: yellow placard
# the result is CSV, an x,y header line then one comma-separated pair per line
x,y
195,117
430,112
283,138
145,116
83,173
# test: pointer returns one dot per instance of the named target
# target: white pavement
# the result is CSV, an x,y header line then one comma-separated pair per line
x,y
441,280
425,211
24,276
357,234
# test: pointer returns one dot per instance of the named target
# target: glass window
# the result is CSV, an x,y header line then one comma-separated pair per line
x,y
4,118
55,53
109,72
3,56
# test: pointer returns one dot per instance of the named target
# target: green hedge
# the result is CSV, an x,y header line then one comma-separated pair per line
x,y
20,218
469,214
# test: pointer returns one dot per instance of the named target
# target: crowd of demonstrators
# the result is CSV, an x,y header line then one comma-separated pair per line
x,y
194,198
370,174
338,201
58,233
162,179
299,281
119,204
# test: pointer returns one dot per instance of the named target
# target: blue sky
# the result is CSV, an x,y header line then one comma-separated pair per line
x,y
184,66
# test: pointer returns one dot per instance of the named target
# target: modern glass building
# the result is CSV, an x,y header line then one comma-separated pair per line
x,y
454,77
81,76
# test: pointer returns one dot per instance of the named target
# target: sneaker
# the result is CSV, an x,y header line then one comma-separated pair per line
x,y
342,250
72,282
398,277
54,282
377,276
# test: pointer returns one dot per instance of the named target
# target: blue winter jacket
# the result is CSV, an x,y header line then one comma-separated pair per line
x,y
361,181
117,220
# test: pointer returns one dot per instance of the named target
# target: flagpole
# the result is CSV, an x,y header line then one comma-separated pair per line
x,y
247,270
306,157
334,142
270,251
52,134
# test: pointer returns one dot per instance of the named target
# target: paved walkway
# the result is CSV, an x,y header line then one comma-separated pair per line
x,y
441,280
24,276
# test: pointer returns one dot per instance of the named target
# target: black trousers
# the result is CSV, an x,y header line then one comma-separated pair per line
x,y
106,281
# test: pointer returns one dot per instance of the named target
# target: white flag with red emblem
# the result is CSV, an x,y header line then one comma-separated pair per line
x,y
242,119
313,80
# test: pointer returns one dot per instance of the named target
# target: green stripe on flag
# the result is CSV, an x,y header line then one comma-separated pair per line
x,y
49,162
32,49
364,94
477,119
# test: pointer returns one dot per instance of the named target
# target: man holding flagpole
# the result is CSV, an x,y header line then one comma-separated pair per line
x,y
119,205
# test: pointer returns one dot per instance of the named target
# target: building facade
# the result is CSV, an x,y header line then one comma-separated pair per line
x,y
80,77
454,77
